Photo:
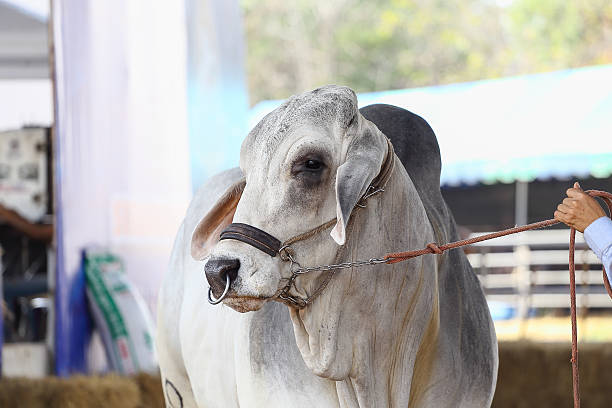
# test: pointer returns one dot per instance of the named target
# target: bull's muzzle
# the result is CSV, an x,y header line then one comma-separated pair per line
x,y
220,272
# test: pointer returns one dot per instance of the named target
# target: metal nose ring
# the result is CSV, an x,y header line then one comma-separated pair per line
x,y
211,297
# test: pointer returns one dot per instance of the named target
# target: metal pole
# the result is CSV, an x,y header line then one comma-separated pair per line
x,y
521,202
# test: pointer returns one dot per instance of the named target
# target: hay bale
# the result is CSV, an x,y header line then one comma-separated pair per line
x,y
151,392
75,392
25,392
540,375
96,392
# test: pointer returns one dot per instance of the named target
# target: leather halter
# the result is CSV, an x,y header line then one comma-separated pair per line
x,y
272,246
252,236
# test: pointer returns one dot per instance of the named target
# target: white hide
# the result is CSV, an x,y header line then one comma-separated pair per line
x,y
378,336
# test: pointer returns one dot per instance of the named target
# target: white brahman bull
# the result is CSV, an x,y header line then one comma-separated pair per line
x,y
411,334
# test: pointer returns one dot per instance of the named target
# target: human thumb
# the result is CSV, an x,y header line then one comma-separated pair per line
x,y
577,185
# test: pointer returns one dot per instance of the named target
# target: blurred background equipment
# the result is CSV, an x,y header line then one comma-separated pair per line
x,y
26,231
26,185
25,172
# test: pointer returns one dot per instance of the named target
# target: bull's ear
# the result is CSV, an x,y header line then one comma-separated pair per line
x,y
206,234
365,154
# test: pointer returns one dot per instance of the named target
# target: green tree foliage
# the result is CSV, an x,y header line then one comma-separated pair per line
x,y
374,45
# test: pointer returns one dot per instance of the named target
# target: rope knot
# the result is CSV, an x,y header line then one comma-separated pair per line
x,y
435,249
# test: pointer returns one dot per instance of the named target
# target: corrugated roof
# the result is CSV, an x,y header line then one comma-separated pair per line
x,y
551,125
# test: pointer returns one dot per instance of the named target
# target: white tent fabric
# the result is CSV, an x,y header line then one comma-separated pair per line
x,y
25,88
25,102
23,39
122,166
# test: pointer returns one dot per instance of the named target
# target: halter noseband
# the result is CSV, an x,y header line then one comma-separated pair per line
x,y
252,236
272,246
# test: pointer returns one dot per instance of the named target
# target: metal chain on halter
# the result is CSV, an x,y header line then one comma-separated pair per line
x,y
287,254
344,265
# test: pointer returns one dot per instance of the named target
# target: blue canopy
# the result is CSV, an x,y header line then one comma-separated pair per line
x,y
541,126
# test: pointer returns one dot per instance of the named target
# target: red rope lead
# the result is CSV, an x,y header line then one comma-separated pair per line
x,y
574,359
433,248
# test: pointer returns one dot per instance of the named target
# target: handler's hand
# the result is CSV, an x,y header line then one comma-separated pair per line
x,y
579,209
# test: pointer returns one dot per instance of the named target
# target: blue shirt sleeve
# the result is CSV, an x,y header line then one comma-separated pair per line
x,y
598,236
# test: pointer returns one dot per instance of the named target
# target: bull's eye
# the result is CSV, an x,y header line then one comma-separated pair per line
x,y
309,170
312,164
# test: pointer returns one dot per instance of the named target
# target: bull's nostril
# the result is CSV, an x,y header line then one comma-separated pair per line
x,y
232,269
217,269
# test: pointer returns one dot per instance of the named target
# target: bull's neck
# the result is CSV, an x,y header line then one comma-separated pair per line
x,y
366,329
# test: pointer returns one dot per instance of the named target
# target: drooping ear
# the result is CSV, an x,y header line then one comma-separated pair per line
x,y
206,234
366,151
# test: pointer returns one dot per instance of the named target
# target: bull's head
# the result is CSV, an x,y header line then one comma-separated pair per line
x,y
308,161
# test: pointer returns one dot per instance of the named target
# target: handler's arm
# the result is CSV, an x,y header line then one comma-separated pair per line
x,y
35,231
599,237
